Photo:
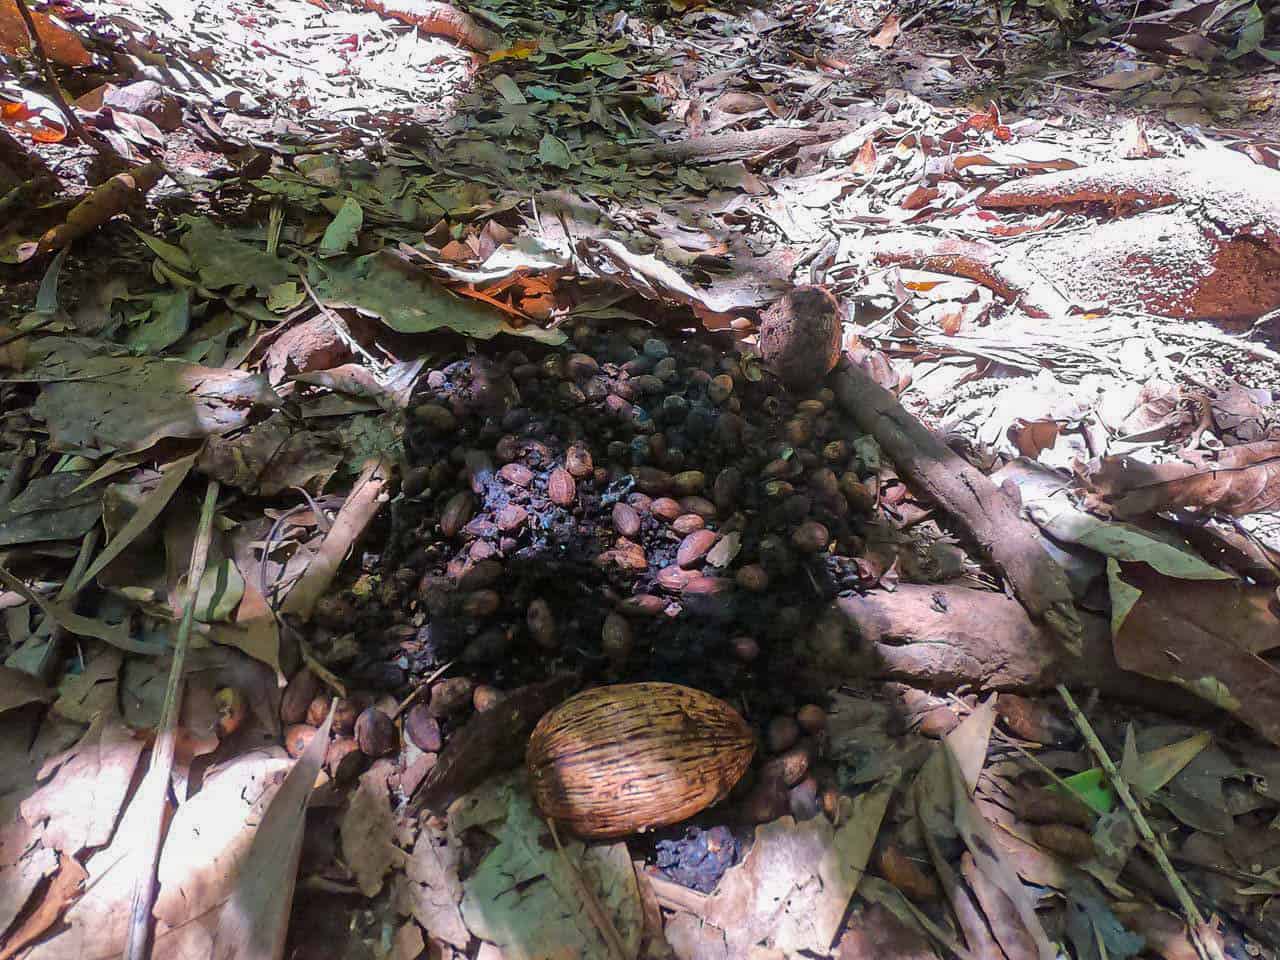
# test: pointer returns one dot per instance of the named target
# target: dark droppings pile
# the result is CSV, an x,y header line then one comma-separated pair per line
x,y
632,506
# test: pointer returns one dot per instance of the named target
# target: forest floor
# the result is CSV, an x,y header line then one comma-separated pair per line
x,y
489,341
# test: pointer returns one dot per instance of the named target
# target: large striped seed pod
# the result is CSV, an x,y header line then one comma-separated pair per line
x,y
621,759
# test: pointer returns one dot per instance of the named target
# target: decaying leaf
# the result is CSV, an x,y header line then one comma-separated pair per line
x,y
62,44
1208,637
81,803
523,896
272,456
435,887
52,507
225,261
368,830
18,688
1238,480
107,403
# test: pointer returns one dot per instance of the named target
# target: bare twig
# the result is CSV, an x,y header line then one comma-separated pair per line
x,y
66,596
154,791
1190,912
604,924
420,689
55,91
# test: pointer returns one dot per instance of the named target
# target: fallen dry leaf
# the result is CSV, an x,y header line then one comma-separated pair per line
x,y
61,43
368,830
18,688
1237,480
63,889
889,30
435,887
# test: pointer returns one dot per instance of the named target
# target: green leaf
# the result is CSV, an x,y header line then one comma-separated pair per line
x,y
545,94
176,257
1155,769
221,589
1251,34
554,152
343,230
169,322
224,261
283,297
407,300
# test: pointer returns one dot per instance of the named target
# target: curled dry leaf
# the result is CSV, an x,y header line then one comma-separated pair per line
x,y
1237,480
368,831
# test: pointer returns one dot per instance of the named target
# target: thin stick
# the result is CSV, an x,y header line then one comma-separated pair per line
x,y
67,596
420,688
154,791
92,140
1191,913
604,925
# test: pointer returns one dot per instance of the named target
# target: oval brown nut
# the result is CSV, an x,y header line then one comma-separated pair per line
x,y
909,876
800,336
700,586
664,508
745,648
485,697
296,738
652,481
812,719
317,710
482,603
790,766
694,547
615,760
511,518
344,715
376,733
782,734
422,729
542,623
642,605
1070,842
298,695
438,420
674,578
686,523
698,505
626,521
768,800
457,511
752,577
344,759
561,488
450,696
615,638
688,482
727,486
517,474
481,574
577,460
811,537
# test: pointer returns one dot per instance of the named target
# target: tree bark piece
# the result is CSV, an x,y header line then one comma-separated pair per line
x,y
944,637
982,510
438,19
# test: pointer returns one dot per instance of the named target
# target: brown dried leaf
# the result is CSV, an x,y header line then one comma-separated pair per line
x,y
18,688
887,34
60,893
435,888
1237,480
82,801
61,44
368,831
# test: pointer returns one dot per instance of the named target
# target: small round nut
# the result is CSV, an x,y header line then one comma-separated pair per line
x,y
344,759
615,638
376,733
317,710
782,734
298,695
422,729
812,719
485,697
296,738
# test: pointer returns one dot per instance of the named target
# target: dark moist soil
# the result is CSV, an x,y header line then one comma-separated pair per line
x,y
646,408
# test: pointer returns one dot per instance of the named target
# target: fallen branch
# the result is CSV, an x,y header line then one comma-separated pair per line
x,y
154,791
979,508
740,144
362,505
103,202
438,19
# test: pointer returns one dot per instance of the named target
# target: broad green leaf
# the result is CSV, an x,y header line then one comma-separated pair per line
x,y
224,261
546,94
343,230
1155,768
554,153
283,297
174,256
221,589
169,322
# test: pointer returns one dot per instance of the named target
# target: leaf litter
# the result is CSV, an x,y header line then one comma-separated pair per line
x,y
691,171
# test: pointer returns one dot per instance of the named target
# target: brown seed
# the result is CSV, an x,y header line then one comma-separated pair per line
x,y
642,605
699,505
376,733
767,801
625,519
541,623
625,555
798,431
907,874
664,508
1034,720
485,697
673,578
480,574
810,408
776,469
561,487
700,586
1071,842
812,719
937,723
457,511
577,460
745,648
344,759
231,708
641,501
720,388
422,729
298,695
652,481
646,383
615,638
451,695
686,523
344,715
1038,805
782,734
438,420
811,537
825,485
694,547
482,603
800,336
726,488
830,800
752,577
296,738
790,766
689,482
861,496
804,800
581,365
837,451
517,474
511,518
